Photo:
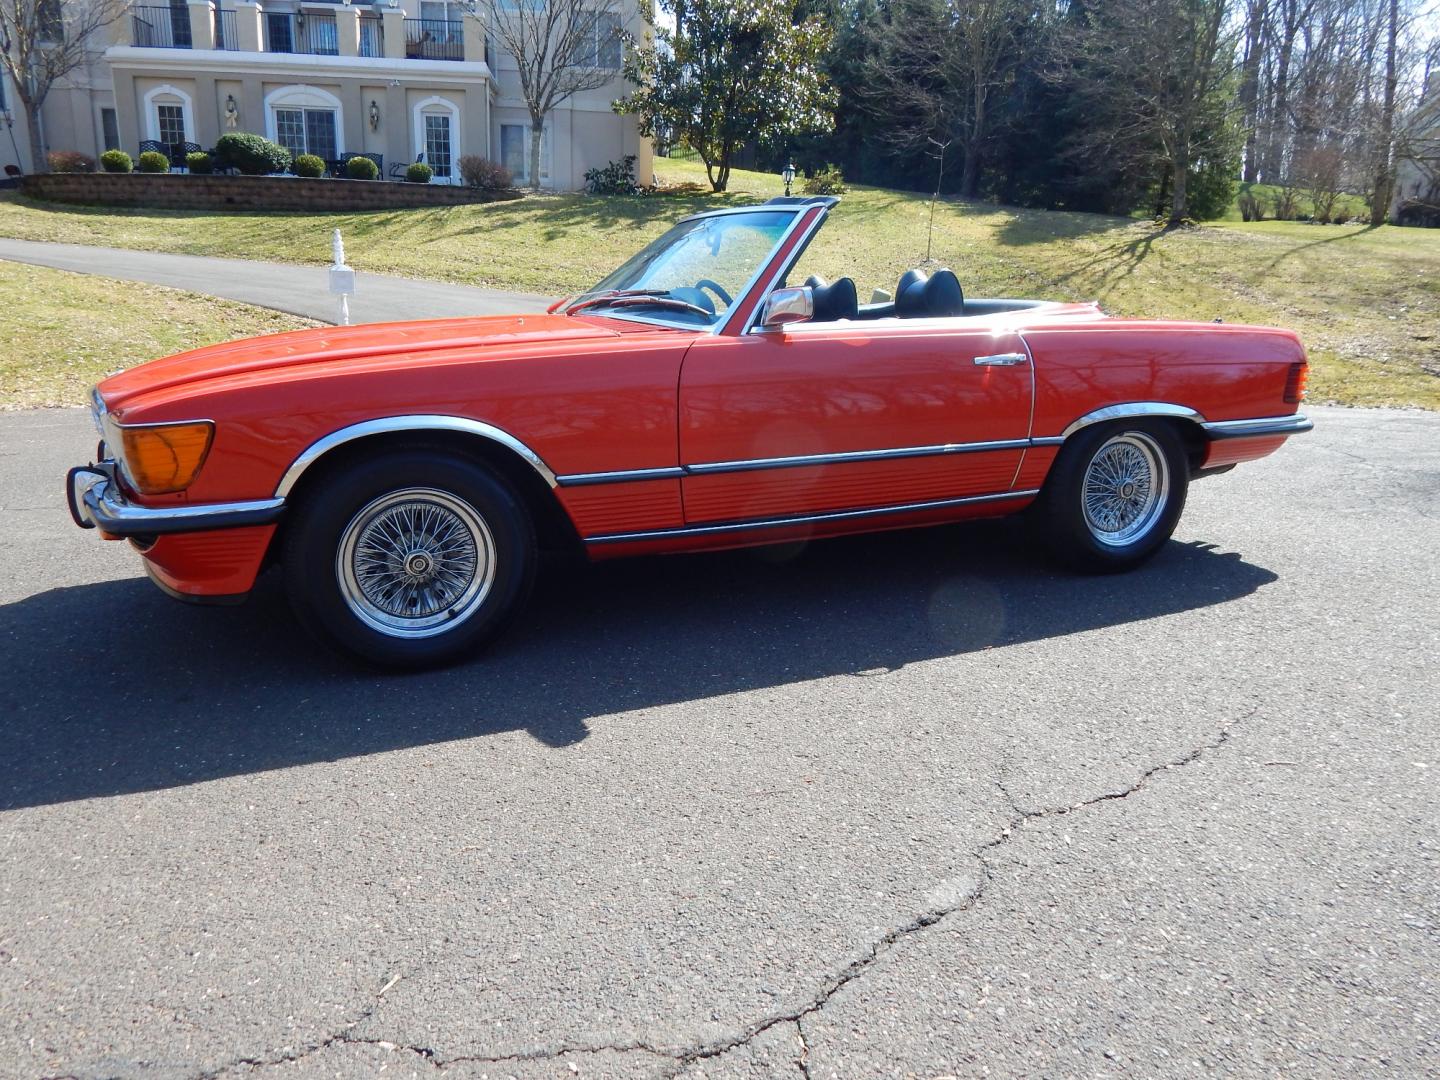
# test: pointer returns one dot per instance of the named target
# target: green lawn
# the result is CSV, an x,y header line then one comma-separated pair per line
x,y
63,332
1365,300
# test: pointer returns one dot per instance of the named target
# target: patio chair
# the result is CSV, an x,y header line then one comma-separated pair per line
x,y
397,169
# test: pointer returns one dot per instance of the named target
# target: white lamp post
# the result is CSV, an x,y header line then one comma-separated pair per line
x,y
788,175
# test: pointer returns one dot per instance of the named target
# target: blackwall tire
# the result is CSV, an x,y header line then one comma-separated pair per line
x,y
1114,495
409,560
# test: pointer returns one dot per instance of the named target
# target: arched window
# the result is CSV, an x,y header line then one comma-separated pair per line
x,y
437,136
169,115
305,120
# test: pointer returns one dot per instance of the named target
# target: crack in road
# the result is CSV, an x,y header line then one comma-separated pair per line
x,y
683,1057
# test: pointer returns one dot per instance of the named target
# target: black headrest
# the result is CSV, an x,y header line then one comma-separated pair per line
x,y
943,295
910,294
918,296
834,302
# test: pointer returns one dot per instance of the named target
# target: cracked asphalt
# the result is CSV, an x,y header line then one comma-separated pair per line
x,y
914,804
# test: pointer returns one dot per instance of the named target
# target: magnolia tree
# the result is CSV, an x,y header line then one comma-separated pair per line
x,y
716,74
43,41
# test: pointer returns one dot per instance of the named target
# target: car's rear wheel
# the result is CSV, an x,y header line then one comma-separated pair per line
x,y
409,560
1114,495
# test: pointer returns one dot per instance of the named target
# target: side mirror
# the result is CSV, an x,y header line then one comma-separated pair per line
x,y
787,306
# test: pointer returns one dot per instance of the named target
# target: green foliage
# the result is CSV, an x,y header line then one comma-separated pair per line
x,y
152,161
825,181
253,155
116,161
199,163
362,168
418,173
729,72
616,178
480,172
70,161
308,165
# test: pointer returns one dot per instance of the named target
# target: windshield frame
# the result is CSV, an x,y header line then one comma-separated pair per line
x,y
798,208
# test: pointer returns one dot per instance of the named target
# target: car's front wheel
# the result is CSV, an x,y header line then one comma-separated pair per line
x,y
409,560
1114,495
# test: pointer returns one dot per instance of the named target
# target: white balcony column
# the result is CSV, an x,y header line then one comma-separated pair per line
x,y
394,30
473,32
202,24
248,37
347,29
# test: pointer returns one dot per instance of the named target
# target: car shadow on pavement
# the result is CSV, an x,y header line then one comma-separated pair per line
x,y
113,688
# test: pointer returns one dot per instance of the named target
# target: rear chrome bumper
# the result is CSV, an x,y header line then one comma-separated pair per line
x,y
1249,429
96,501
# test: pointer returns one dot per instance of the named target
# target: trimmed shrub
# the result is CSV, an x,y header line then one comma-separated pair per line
x,y
70,161
152,161
1251,208
252,155
482,173
826,181
418,173
199,163
362,168
308,165
117,161
616,178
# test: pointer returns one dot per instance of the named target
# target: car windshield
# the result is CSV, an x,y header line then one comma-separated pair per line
x,y
692,275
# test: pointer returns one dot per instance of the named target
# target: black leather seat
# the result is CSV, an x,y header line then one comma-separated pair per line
x,y
833,302
937,296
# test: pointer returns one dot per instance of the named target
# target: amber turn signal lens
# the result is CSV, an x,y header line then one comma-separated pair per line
x,y
160,458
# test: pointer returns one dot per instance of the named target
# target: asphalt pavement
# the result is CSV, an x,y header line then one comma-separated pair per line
x,y
914,804
300,290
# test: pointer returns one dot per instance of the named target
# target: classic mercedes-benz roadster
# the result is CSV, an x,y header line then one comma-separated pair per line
x,y
405,475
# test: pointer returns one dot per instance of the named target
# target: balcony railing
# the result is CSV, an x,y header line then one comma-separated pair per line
x,y
161,27
372,39
227,33
434,39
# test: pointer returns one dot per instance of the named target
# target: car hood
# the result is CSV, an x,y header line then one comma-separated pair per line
x,y
400,341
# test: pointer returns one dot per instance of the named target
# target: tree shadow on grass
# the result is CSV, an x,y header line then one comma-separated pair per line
x,y
112,688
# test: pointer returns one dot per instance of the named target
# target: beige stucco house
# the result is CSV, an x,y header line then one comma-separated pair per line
x,y
400,78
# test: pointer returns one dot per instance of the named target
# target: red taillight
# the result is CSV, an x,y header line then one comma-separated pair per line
x,y
1295,383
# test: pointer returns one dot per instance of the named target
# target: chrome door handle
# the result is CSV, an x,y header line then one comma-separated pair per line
x,y
1004,359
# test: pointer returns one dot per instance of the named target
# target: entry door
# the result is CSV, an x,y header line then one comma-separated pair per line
x,y
902,413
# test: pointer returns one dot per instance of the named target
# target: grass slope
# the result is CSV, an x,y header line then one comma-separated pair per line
x,y
1365,300
63,332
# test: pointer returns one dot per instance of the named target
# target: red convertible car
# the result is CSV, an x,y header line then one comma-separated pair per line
x,y
406,475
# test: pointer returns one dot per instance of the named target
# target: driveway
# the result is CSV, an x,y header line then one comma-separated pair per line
x,y
913,804
300,290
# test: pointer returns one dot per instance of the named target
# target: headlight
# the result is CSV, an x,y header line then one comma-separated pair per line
x,y
161,458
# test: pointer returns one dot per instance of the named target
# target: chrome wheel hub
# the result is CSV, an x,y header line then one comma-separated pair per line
x,y
1125,488
415,562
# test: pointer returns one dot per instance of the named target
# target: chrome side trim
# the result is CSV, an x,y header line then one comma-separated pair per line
x,y
102,504
1127,411
318,449
1048,440
800,461
806,519
1294,424
619,476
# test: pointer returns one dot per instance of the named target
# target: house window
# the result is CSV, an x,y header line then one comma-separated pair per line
x,y
515,151
279,32
49,21
170,123
441,19
307,131
109,127
601,47
437,144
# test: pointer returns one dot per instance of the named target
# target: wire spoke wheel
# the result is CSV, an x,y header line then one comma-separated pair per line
x,y
1125,488
415,563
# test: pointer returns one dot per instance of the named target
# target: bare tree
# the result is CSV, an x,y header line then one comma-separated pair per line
x,y
562,47
42,42
1385,144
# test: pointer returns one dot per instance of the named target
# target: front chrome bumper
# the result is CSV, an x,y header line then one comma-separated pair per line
x,y
96,501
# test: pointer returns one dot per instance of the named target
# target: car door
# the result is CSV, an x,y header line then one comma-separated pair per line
x,y
850,415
